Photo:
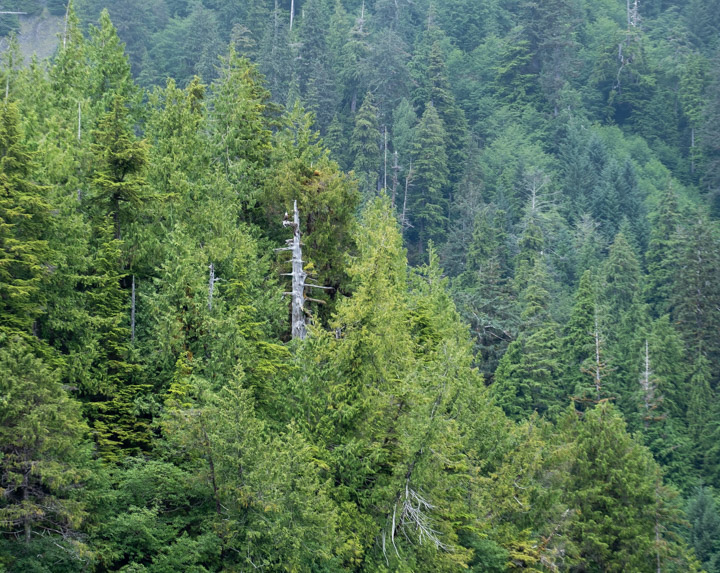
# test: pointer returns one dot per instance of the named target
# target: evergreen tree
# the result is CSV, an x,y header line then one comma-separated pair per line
x,y
388,72
403,134
336,141
431,177
484,292
275,56
584,347
704,518
109,388
365,146
313,65
391,395
622,507
623,316
452,116
24,213
119,170
661,256
240,122
108,66
44,459
270,510
661,404
527,376
700,396
696,289
354,69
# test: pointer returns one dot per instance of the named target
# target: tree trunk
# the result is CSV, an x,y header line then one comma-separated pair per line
x,y
299,329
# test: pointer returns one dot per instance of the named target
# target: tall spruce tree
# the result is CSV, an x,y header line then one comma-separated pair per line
x,y
528,375
431,177
365,146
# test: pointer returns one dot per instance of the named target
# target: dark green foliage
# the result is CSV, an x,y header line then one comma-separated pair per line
x,y
704,518
662,254
624,515
365,147
528,375
42,456
119,166
696,294
430,179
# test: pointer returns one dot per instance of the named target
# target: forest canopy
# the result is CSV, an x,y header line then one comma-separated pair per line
x,y
510,358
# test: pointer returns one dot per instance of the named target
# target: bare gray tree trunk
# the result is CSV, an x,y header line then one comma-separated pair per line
x,y
67,14
385,160
395,169
211,285
403,222
298,274
132,311
598,363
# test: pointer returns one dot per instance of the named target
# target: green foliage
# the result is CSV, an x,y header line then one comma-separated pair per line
x,y
141,293
623,520
702,513
42,458
365,147
527,376
430,178
119,165
24,212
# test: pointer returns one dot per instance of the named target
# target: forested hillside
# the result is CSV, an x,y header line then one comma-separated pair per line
x,y
512,207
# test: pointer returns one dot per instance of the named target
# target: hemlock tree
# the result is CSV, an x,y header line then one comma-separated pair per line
x,y
624,514
584,347
662,252
43,463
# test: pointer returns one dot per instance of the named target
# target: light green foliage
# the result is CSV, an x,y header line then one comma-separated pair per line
x,y
392,386
241,123
109,69
23,215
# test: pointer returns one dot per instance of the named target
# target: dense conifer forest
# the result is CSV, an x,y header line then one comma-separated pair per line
x,y
513,363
